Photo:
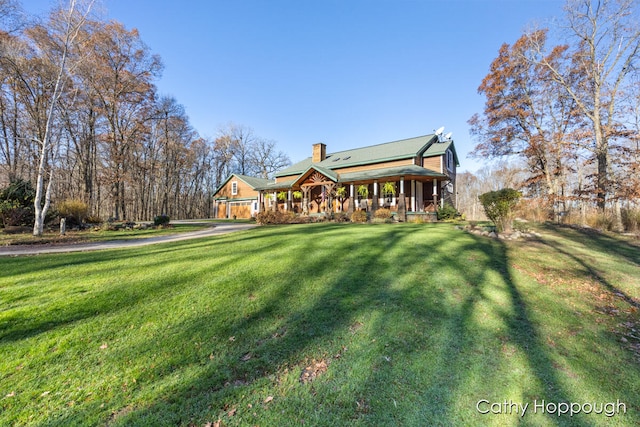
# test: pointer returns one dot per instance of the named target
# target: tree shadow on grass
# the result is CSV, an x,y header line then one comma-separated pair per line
x,y
602,242
439,402
308,311
88,303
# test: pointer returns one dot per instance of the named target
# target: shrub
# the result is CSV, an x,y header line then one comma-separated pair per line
x,y
74,210
93,219
447,212
161,220
499,207
382,213
16,203
602,221
631,219
340,217
11,213
359,216
278,217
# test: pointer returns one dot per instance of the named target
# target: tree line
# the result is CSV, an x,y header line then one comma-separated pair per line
x,y
570,111
81,118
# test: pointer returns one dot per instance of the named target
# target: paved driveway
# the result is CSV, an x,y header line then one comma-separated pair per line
x,y
220,228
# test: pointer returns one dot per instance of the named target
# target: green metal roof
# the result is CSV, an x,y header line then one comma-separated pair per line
x,y
396,171
389,172
396,150
440,148
251,181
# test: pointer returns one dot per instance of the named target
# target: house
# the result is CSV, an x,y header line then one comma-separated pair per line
x,y
411,177
237,196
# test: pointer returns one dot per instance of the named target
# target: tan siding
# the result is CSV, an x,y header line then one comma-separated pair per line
x,y
286,178
433,163
244,190
404,162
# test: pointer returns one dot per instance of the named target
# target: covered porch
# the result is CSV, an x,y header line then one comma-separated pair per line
x,y
402,190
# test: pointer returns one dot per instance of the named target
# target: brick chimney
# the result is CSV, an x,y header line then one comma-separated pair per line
x,y
319,152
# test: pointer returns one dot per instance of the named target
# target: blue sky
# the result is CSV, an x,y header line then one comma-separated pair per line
x,y
348,73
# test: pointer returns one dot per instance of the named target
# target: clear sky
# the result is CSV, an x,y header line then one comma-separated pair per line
x,y
348,73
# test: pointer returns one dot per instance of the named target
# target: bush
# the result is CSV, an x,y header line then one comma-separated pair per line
x,y
382,213
16,204
631,220
93,219
74,210
340,217
161,220
603,221
447,212
359,216
499,207
278,217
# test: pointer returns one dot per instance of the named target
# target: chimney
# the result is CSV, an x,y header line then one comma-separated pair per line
x,y
319,152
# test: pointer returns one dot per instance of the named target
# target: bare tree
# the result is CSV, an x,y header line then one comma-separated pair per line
x,y
597,65
266,159
57,48
11,17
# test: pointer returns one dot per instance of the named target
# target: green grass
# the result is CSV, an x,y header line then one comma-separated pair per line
x,y
397,324
98,235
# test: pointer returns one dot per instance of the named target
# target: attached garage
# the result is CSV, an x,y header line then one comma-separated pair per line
x,y
237,197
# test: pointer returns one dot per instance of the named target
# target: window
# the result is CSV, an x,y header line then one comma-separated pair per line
x,y
234,188
449,160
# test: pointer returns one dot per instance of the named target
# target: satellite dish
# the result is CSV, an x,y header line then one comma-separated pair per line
x,y
439,131
448,136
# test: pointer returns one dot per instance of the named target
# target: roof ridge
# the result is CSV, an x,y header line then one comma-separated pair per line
x,y
382,143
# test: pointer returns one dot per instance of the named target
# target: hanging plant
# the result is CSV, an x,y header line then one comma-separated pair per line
x,y
282,196
297,194
389,188
363,191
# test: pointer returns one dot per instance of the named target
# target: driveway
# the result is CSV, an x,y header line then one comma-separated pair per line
x,y
220,228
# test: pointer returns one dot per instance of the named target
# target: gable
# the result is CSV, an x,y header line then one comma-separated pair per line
x,y
240,187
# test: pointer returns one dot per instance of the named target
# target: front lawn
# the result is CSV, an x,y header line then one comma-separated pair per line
x,y
99,234
324,325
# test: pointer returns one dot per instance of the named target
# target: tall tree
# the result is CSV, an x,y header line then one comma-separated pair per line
x,y
55,44
123,82
604,53
525,115
266,159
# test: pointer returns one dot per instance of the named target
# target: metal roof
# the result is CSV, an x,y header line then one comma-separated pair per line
x,y
389,151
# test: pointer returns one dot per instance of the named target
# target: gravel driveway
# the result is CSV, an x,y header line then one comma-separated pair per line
x,y
220,228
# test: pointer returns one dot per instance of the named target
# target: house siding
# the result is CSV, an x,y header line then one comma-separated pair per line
x,y
236,204
433,163
244,190
405,162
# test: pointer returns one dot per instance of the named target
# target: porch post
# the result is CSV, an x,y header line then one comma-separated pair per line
x,y
402,209
275,201
305,200
413,195
351,199
289,206
435,193
374,199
